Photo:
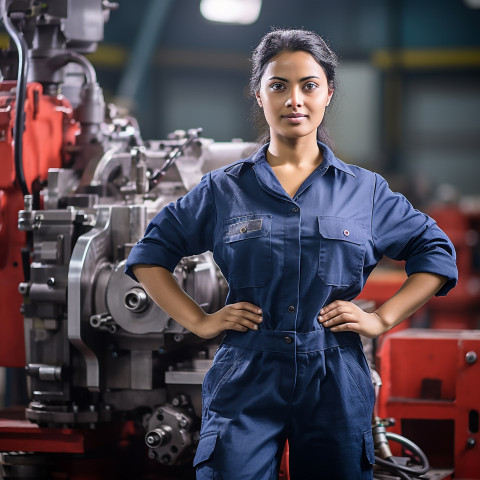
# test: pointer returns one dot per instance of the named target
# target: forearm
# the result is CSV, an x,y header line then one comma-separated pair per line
x,y
164,290
415,292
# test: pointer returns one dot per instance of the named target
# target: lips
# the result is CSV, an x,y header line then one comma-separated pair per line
x,y
294,115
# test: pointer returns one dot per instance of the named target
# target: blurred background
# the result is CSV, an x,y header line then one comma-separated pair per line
x,y
408,105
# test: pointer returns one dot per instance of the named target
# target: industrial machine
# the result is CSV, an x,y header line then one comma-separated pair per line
x,y
96,349
114,383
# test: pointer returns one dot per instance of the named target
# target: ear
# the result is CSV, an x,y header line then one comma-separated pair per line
x,y
330,94
259,100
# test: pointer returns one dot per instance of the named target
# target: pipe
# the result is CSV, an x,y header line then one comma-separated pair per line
x,y
63,59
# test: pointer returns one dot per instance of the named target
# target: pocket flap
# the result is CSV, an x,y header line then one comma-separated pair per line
x,y
368,446
205,448
346,229
248,226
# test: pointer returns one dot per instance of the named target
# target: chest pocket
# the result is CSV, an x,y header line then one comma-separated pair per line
x,y
247,250
342,250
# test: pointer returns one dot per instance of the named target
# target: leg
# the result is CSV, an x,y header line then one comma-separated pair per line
x,y
242,435
331,429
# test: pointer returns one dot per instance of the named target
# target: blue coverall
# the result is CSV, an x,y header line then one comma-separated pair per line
x,y
292,379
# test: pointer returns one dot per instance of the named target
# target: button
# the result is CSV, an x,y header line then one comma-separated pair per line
x,y
295,209
243,229
288,339
291,308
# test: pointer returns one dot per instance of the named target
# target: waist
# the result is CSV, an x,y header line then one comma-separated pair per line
x,y
289,341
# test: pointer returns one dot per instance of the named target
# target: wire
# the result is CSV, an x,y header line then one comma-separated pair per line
x,y
21,93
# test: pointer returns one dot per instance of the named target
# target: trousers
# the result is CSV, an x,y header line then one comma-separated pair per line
x,y
265,387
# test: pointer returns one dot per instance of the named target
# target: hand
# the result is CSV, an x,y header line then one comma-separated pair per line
x,y
341,316
240,316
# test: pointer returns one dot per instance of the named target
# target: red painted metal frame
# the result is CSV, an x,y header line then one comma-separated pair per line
x,y
411,358
49,128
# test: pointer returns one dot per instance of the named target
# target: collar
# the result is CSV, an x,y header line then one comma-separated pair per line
x,y
237,168
329,160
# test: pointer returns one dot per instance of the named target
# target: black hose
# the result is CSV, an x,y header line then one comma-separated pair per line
x,y
390,464
399,473
21,93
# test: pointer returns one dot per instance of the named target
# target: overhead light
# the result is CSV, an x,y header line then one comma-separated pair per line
x,y
472,3
243,12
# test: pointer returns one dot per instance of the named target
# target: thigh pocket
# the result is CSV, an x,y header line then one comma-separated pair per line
x,y
342,250
248,251
224,366
359,372
368,449
205,448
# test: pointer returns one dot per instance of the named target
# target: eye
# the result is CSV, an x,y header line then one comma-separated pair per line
x,y
277,86
310,86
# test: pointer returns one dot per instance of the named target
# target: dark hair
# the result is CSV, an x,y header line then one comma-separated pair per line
x,y
279,40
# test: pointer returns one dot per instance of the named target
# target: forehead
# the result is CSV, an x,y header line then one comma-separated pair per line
x,y
293,65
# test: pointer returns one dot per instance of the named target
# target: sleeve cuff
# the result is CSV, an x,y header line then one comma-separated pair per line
x,y
144,254
439,264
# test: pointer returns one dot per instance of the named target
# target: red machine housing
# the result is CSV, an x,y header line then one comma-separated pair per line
x,y
50,127
431,387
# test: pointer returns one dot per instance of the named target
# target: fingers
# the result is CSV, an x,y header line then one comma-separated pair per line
x,y
340,316
242,316
336,312
250,307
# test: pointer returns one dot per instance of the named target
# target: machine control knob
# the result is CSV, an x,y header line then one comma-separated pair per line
x,y
158,437
471,357
136,300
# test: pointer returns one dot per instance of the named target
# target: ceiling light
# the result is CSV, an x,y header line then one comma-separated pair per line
x,y
242,12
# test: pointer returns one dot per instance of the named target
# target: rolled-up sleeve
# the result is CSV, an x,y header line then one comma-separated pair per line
x,y
404,233
180,229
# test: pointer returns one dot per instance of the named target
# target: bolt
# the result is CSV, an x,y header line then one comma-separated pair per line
x,y
28,199
183,423
152,455
23,288
471,357
471,442
165,459
51,282
178,337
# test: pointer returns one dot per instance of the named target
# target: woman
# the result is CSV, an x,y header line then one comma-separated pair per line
x,y
296,232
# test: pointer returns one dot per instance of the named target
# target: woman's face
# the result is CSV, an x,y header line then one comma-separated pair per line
x,y
293,94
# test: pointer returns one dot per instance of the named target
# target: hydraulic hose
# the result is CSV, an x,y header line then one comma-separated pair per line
x,y
390,464
21,93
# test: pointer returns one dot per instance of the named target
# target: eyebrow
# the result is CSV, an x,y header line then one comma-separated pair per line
x,y
301,80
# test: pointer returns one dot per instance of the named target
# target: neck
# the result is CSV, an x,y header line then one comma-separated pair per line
x,y
294,151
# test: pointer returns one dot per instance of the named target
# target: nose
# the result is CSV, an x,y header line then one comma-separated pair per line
x,y
295,99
